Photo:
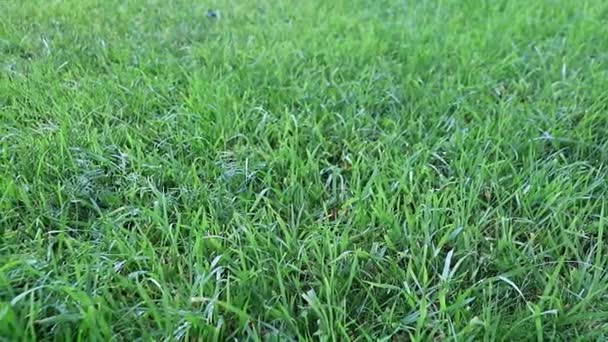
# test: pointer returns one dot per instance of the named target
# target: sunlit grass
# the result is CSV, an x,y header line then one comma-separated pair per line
x,y
303,170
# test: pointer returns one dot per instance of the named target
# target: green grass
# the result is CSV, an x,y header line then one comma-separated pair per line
x,y
303,170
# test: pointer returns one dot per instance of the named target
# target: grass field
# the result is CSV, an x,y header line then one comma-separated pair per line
x,y
303,170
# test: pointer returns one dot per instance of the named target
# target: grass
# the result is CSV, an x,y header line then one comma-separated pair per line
x,y
303,170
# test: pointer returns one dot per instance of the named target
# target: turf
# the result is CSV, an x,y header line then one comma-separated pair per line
x,y
303,170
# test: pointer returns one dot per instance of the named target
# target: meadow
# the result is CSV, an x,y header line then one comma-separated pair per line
x,y
340,170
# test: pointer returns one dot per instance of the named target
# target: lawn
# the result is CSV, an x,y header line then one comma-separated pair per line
x,y
303,170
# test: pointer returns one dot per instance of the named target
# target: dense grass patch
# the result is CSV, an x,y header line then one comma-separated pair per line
x,y
333,170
